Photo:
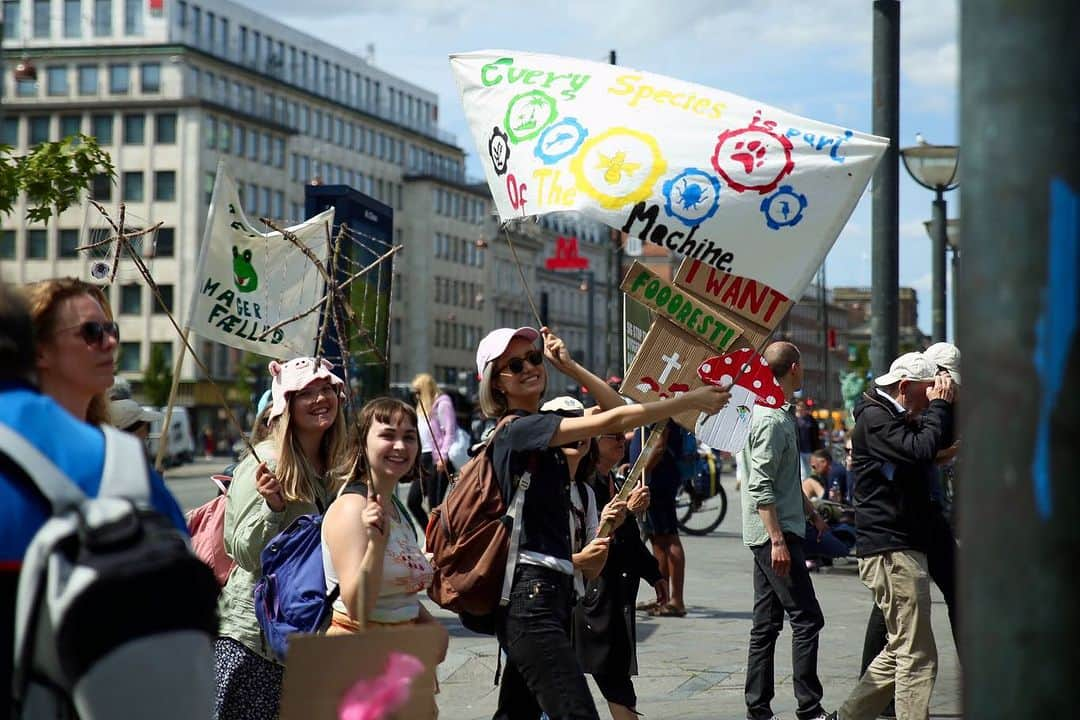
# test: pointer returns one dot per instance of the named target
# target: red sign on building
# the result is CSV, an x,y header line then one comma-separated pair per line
x,y
566,256
157,7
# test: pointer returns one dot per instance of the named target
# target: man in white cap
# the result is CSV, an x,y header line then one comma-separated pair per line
x,y
131,417
900,426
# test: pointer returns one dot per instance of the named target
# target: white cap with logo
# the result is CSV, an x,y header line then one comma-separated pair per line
x,y
911,366
947,357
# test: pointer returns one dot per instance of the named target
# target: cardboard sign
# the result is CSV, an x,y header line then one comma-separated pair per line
x,y
743,187
666,365
638,319
321,669
747,298
692,316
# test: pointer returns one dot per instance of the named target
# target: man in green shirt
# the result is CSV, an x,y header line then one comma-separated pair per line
x,y
774,524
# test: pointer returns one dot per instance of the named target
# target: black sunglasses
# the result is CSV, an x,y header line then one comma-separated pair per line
x,y
517,364
93,332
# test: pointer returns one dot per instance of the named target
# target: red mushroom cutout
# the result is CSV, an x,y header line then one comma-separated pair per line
x,y
752,371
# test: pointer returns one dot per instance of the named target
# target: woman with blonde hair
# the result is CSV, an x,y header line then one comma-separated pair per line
x,y
76,344
296,471
542,670
438,428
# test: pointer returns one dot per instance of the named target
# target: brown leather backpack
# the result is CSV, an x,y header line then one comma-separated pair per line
x,y
469,537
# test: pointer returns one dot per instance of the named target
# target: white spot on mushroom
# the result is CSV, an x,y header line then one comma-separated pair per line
x,y
727,361
763,361
757,383
706,367
771,400
746,368
726,380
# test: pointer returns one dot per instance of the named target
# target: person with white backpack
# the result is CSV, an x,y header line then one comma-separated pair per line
x,y
51,464
297,471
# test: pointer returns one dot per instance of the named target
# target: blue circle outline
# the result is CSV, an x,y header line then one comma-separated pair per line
x,y
766,207
669,188
552,159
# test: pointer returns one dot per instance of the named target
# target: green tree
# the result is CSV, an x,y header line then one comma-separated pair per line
x,y
157,378
53,175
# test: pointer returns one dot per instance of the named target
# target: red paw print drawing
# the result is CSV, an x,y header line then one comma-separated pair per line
x,y
751,156
755,157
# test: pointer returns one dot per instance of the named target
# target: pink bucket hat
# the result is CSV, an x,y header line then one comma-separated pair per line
x,y
294,376
495,343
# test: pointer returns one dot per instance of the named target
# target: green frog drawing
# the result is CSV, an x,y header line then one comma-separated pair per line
x,y
244,275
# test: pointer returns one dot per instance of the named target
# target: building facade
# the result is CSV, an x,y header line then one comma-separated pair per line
x,y
171,87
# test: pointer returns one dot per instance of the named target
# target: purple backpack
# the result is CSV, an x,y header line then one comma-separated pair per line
x,y
291,596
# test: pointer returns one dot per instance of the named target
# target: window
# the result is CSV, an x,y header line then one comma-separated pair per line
x,y
165,348
133,186
165,128
9,131
72,18
150,77
133,17
134,129
57,80
119,79
101,127
102,18
26,88
238,140
39,129
211,132
68,241
165,243
88,79
131,299
7,244
41,18
167,297
224,136
128,358
165,185
70,125
37,247
101,188
253,145
12,19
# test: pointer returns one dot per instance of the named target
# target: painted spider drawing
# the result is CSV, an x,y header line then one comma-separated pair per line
x,y
690,195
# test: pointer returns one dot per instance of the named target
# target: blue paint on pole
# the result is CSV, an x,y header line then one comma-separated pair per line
x,y
1056,328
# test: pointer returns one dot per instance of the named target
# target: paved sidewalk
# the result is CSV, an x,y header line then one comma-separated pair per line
x,y
695,667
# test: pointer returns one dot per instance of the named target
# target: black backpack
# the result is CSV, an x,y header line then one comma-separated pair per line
x,y
115,617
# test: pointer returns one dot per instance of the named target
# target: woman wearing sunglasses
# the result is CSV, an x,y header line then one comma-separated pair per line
x,y
76,345
542,671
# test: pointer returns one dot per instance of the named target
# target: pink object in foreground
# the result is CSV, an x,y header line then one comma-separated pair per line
x,y
379,697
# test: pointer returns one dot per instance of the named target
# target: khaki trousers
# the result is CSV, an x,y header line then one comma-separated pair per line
x,y
908,664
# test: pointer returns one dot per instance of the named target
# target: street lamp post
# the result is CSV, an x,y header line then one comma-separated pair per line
x,y
952,241
935,168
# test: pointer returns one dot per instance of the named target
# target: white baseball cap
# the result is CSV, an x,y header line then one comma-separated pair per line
x,y
495,343
564,405
911,366
126,412
947,357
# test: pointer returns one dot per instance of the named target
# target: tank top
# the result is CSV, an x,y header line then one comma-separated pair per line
x,y
406,572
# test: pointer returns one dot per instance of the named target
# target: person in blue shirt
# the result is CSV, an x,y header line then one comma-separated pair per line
x,y
832,478
76,447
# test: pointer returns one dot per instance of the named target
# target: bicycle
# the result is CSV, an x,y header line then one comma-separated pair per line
x,y
701,503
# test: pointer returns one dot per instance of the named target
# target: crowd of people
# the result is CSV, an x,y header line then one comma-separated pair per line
x,y
572,590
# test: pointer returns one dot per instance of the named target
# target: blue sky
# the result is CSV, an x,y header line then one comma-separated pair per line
x,y
812,58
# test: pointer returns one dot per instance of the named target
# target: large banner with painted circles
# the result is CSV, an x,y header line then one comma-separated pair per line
x,y
747,190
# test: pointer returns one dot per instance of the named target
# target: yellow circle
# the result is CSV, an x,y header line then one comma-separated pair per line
x,y
639,193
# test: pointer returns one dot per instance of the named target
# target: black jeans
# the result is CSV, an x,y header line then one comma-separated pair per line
x,y
941,562
773,596
542,672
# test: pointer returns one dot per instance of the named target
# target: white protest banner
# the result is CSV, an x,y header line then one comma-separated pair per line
x,y
748,189
249,281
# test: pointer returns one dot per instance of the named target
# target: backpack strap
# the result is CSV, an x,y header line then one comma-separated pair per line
x,y
49,480
514,512
119,477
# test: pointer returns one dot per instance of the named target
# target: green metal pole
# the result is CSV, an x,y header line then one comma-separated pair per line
x,y
1018,329
937,265
885,205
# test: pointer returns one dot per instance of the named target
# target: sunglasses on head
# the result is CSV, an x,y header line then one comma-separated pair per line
x,y
517,364
93,332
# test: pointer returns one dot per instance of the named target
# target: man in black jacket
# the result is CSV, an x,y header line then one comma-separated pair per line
x,y
900,426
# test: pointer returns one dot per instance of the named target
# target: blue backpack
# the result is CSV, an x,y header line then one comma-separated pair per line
x,y
291,596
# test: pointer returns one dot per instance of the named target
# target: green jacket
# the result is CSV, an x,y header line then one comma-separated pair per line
x,y
250,525
771,463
